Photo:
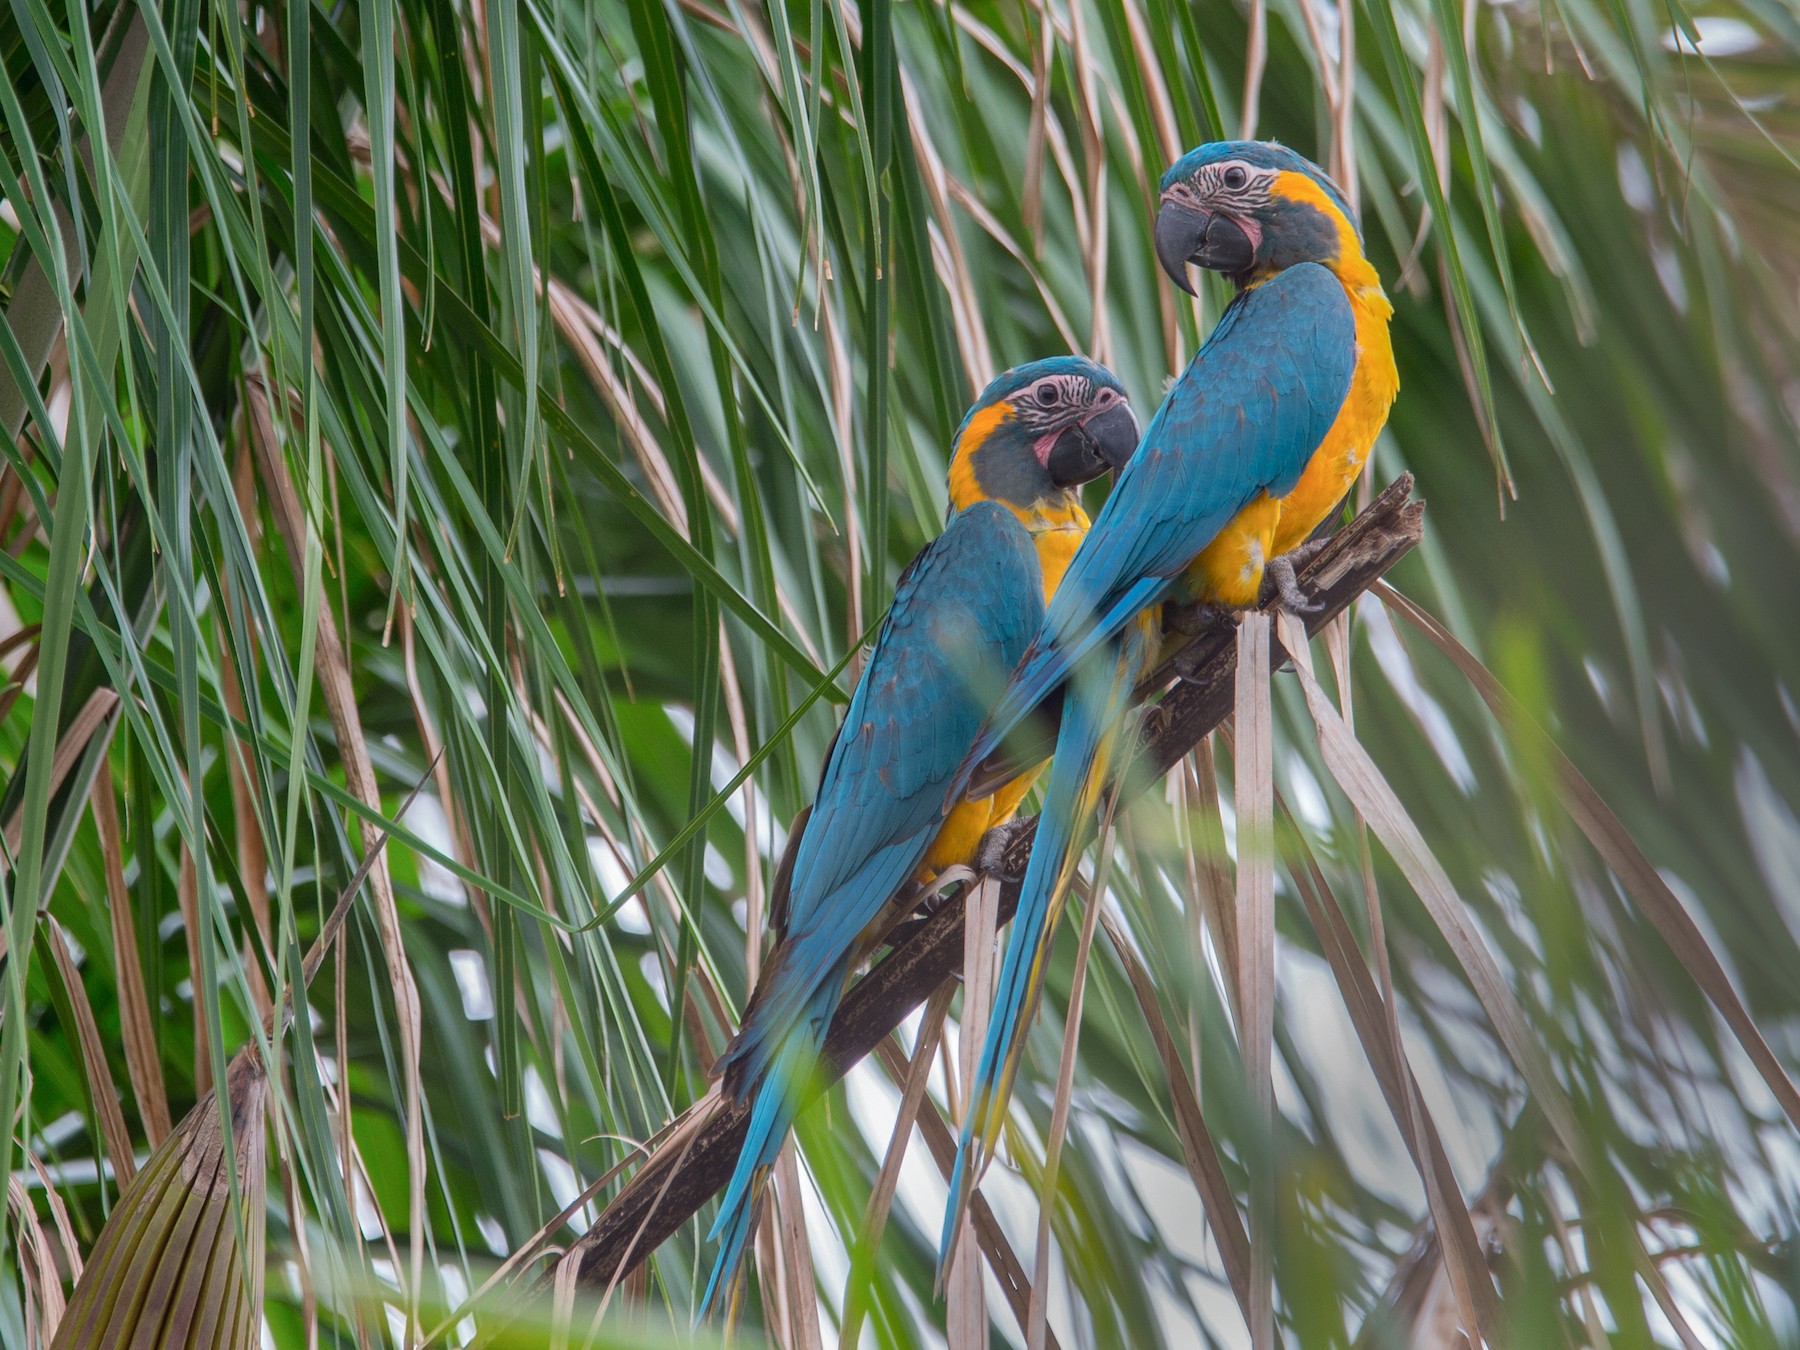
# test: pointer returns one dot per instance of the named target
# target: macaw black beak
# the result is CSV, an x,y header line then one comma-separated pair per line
x,y
1179,230
1115,432
1205,238
1086,450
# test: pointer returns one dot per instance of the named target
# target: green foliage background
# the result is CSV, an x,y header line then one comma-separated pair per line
x,y
605,356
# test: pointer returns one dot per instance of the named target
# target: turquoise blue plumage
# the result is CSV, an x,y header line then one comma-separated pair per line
x,y
960,620
1244,419
962,615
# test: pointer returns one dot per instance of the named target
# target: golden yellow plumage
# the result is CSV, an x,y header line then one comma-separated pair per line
x,y
1229,571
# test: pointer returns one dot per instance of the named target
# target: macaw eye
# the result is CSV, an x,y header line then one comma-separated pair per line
x,y
1048,395
1235,177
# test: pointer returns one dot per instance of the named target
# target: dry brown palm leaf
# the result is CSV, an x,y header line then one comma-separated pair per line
x,y
1369,791
1255,792
93,1058
42,1285
178,1265
332,665
1372,1015
1373,1011
881,1196
1355,772
966,1323
984,1228
795,1252
1037,1324
136,1028
1198,1150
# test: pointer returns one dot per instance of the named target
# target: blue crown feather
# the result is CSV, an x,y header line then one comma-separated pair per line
x,y
1009,382
1264,155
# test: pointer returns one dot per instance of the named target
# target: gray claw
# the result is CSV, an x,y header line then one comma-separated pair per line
x,y
990,854
1301,554
1279,585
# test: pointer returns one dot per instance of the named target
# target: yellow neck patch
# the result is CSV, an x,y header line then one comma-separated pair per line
x,y
1058,514
1354,270
964,489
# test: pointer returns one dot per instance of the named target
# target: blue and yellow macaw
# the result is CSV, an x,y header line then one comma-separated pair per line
x,y
962,614
1253,447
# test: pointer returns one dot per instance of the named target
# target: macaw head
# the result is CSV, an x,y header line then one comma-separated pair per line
x,y
1040,430
1249,209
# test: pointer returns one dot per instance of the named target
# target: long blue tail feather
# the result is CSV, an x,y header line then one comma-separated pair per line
x,y
723,1283
778,1098
1091,722
1048,662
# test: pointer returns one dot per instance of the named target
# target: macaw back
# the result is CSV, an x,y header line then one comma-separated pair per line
x,y
1229,571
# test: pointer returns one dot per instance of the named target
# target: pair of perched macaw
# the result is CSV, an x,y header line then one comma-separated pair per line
x,y
1252,449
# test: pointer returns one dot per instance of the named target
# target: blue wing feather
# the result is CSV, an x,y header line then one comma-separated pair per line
x,y
960,621
1245,418
961,618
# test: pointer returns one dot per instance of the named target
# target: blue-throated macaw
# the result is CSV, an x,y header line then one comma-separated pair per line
x,y
962,613
1256,443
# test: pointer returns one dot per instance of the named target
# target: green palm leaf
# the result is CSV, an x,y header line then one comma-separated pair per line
x,y
539,399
